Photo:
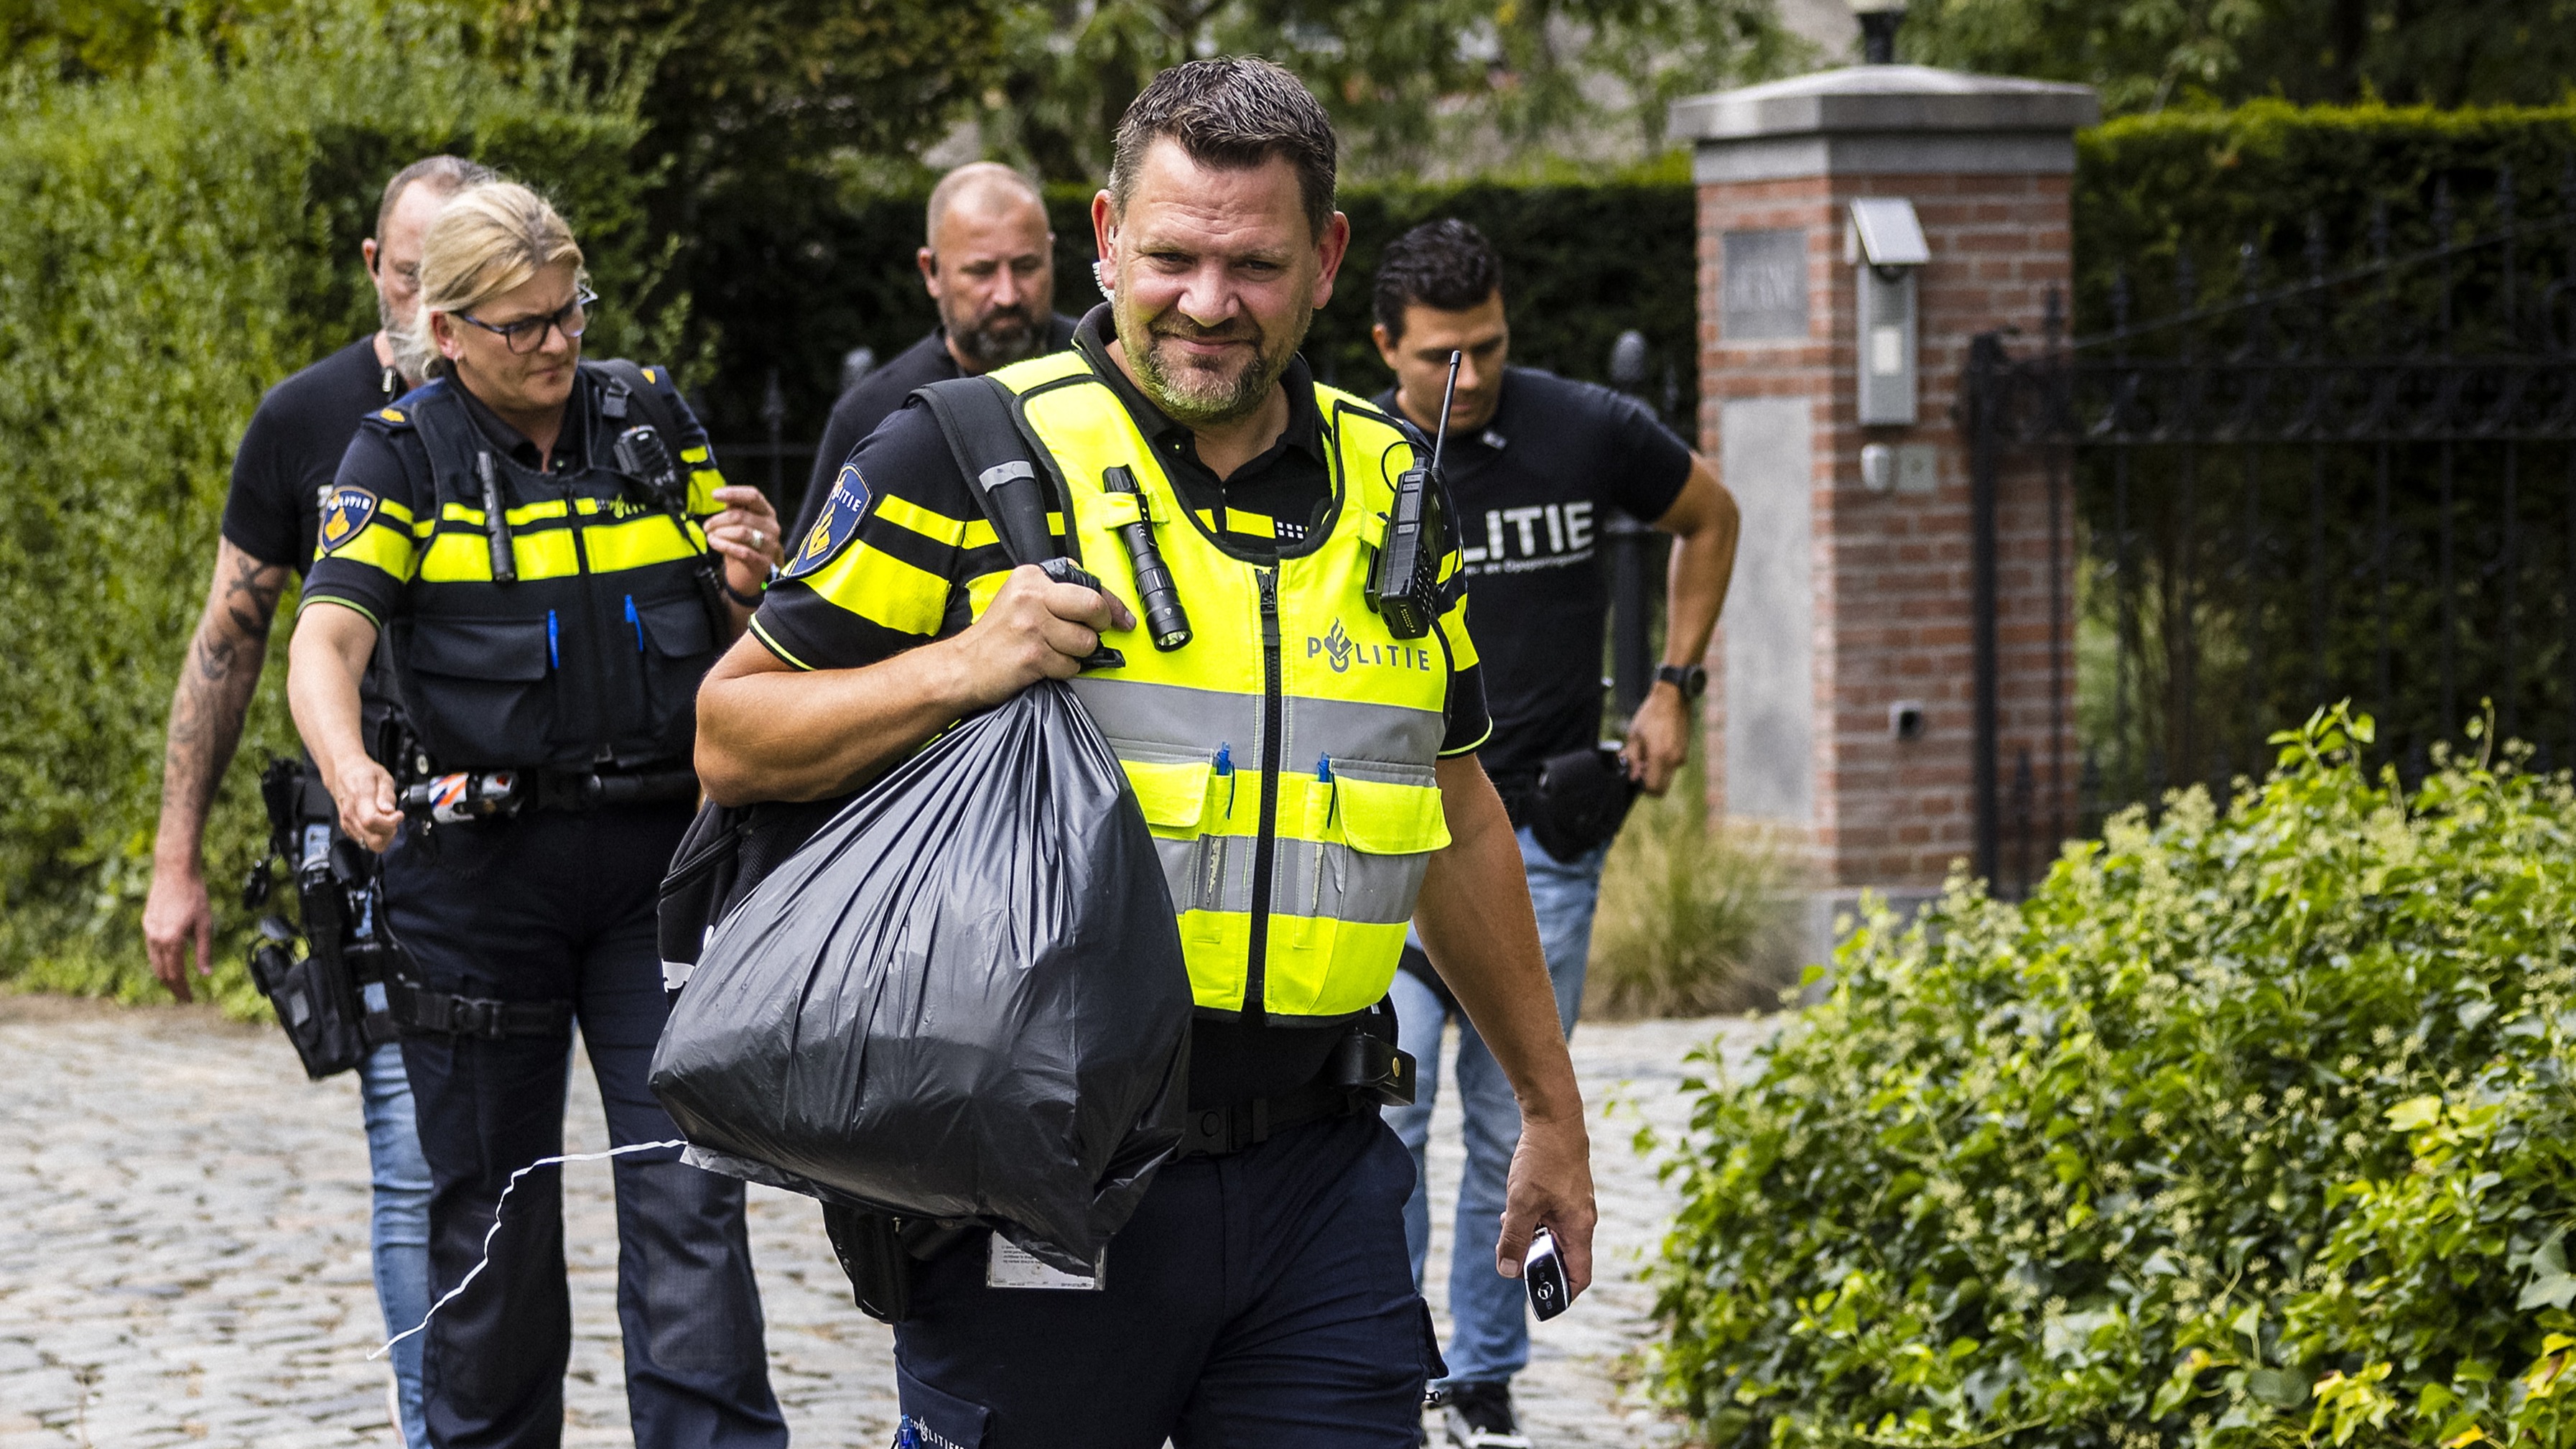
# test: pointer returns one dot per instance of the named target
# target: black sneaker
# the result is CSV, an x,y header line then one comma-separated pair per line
x,y
1480,1417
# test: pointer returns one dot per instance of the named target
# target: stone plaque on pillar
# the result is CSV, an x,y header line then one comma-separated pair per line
x,y
1841,680
1765,297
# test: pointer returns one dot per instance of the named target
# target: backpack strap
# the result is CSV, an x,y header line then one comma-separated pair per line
x,y
983,431
981,421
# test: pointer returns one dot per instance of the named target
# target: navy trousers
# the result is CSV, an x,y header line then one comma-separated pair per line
x,y
1262,1300
559,907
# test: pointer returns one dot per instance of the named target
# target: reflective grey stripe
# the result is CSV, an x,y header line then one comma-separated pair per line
x,y
1310,878
1001,473
1178,715
1175,717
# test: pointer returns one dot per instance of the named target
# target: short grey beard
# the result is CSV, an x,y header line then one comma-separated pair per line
x,y
1240,401
993,352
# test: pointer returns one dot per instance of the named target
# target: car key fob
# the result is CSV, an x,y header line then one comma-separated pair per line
x,y
1543,1273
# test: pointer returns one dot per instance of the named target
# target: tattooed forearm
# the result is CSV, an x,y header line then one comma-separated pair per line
x,y
250,596
214,694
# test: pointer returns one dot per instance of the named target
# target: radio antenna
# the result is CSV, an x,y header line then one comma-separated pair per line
x,y
1440,439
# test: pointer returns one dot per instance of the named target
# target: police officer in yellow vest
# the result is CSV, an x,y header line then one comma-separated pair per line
x,y
1308,772
554,562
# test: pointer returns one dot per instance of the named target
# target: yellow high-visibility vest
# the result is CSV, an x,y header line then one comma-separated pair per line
x,y
1284,757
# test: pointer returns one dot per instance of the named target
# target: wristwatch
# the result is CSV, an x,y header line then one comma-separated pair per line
x,y
1690,679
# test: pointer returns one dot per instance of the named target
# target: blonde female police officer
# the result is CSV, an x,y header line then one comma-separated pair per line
x,y
550,601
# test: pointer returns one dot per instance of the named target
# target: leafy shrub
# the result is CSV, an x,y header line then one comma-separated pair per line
x,y
2244,1129
1690,915
175,243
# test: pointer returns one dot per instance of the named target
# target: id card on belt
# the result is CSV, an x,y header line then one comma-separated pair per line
x,y
1008,1265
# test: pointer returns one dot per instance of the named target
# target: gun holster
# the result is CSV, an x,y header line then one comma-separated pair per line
x,y
319,996
878,1251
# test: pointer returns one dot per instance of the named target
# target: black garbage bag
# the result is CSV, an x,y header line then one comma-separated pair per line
x,y
963,999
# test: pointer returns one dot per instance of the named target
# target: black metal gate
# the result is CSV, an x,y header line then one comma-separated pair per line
x,y
2307,482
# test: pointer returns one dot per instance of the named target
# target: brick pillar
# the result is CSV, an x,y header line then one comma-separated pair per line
x,y
1852,595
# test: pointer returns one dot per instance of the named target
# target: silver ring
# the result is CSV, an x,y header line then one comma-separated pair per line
x,y
755,538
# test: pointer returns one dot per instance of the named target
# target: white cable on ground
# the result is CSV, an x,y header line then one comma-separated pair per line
x,y
506,1190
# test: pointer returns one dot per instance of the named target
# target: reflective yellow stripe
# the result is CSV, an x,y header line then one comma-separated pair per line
x,y
458,558
394,511
1461,640
1240,520
885,590
940,528
520,516
981,589
693,455
912,517
635,544
380,545
703,484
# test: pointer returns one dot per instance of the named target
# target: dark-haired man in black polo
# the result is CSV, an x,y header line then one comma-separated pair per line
x,y
1535,465
988,260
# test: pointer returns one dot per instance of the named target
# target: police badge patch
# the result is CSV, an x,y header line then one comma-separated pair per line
x,y
833,530
346,512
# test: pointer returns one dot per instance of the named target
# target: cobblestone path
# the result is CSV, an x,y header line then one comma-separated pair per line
x,y
183,1249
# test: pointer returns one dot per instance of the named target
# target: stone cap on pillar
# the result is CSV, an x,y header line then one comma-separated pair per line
x,y
1885,120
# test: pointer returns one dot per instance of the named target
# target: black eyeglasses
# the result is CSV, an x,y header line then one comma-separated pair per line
x,y
529,333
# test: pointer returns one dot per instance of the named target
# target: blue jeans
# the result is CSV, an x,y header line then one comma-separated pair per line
x,y
400,1228
1489,1321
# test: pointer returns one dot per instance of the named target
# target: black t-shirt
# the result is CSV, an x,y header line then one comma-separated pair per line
x,y
866,404
909,576
291,451
1532,490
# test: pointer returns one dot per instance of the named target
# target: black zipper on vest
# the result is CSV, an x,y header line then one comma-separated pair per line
x,y
1257,955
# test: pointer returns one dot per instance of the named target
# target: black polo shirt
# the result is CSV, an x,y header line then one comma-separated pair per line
x,y
915,574
1530,492
858,411
292,449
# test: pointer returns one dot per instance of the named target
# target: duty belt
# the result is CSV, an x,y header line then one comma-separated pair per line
x,y
588,790
437,1012
463,795
1217,1131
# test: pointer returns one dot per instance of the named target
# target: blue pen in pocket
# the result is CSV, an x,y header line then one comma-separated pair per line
x,y
1225,771
554,653
636,623
1332,805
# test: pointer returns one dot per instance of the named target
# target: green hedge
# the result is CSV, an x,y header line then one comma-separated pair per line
x,y
2242,1130
1585,261
2149,187
173,245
